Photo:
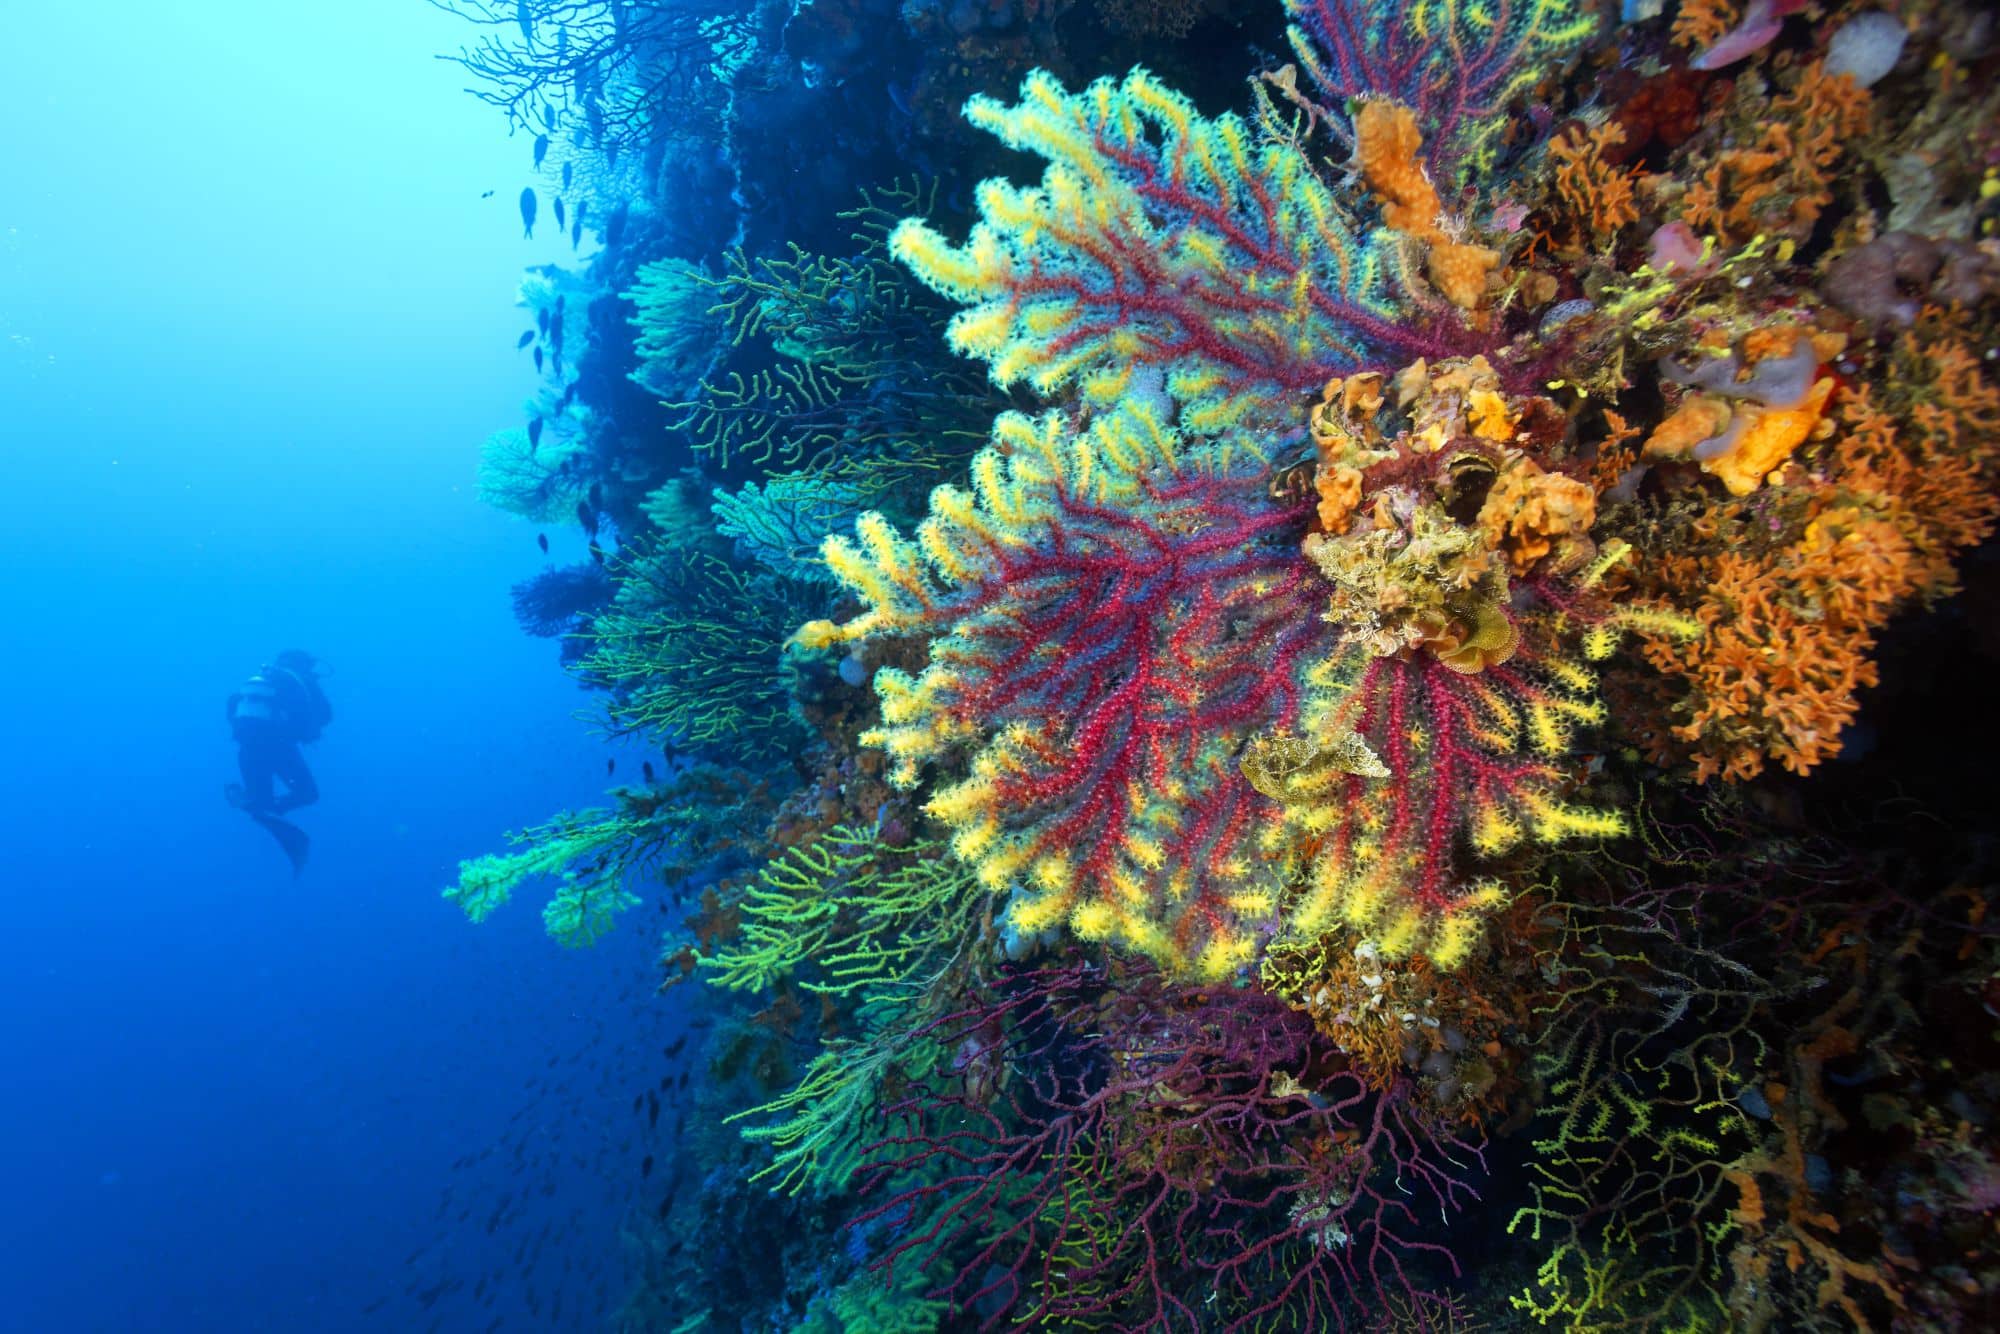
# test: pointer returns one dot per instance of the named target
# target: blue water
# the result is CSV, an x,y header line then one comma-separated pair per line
x,y
255,319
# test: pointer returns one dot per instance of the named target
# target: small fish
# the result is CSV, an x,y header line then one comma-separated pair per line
x,y
526,18
542,321
528,212
562,215
527,337
541,149
610,766
646,1167
576,231
486,194
568,171
538,359
542,541
586,517
647,769
684,1079
673,1048
534,432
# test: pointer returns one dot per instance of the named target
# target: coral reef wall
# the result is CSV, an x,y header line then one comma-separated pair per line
x,y
1313,664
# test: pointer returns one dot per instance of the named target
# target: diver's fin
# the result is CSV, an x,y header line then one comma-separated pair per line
x,y
294,840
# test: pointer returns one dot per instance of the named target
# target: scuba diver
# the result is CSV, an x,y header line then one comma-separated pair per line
x,y
279,709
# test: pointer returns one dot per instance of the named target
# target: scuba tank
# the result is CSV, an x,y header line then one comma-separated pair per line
x,y
258,700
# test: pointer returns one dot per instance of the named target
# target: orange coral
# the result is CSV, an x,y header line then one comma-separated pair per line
x,y
1531,515
1597,193
1387,148
1699,418
1829,110
1339,488
1701,23
1615,453
1779,183
1459,271
1792,592
1768,437
1346,405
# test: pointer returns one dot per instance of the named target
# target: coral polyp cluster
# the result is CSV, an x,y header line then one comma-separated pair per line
x,y
1112,611
1163,251
1294,655
1463,588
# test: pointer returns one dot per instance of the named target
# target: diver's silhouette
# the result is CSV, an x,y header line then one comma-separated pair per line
x,y
278,709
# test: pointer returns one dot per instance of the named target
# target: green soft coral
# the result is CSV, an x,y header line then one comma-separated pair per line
x,y
679,332
783,523
587,852
541,484
851,914
689,651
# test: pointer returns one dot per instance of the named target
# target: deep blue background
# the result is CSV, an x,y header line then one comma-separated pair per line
x,y
254,321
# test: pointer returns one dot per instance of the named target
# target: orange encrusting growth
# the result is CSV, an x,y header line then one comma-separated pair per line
x,y
1388,147
1598,194
1792,596
1781,183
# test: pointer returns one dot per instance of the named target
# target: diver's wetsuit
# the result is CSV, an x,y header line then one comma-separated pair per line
x,y
264,758
275,711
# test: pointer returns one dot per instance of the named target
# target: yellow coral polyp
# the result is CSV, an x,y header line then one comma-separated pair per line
x,y
1252,904
1054,873
1557,822
1093,920
1145,852
1128,888
1003,864
820,635
1225,952
980,333
973,841
1494,830
1143,936
1397,933
1031,915
1453,938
